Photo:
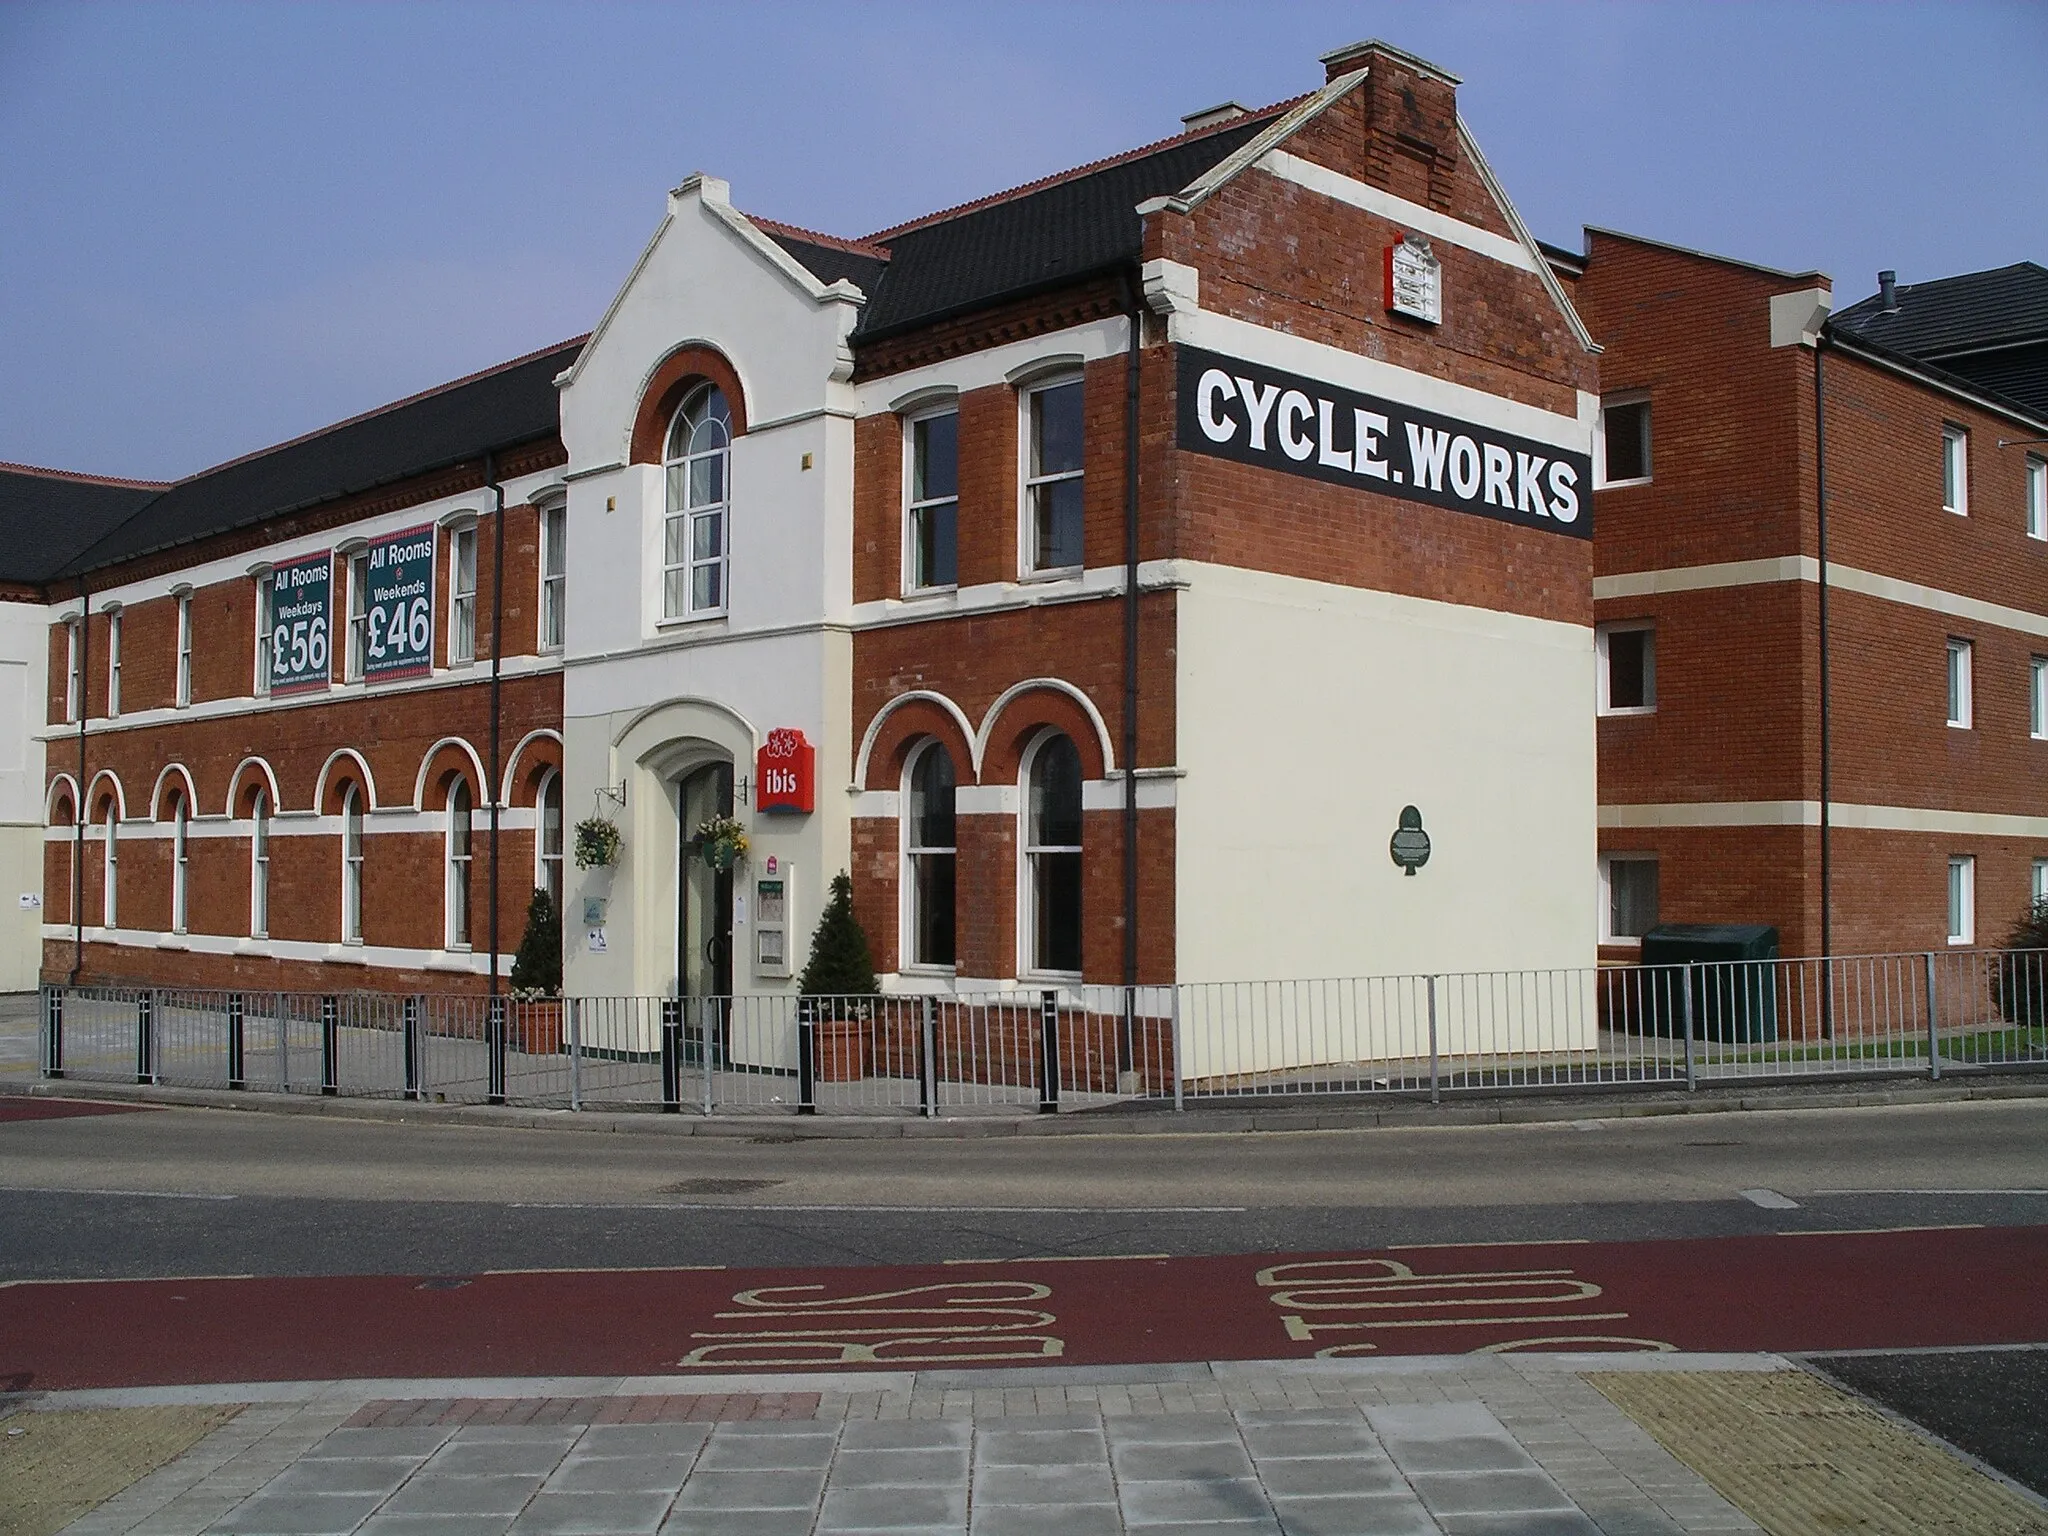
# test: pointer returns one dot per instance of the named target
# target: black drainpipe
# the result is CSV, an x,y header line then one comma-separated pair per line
x,y
1135,310
1820,484
491,790
78,801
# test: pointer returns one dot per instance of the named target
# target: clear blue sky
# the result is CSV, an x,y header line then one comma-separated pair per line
x,y
222,225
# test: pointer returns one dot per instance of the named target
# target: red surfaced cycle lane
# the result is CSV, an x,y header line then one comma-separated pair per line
x,y
1794,1292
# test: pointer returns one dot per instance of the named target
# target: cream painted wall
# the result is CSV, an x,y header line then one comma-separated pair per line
x,y
24,671
1308,716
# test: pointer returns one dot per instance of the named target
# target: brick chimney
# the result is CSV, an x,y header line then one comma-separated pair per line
x,y
1411,120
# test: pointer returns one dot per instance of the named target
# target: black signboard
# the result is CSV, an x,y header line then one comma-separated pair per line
x,y
1253,414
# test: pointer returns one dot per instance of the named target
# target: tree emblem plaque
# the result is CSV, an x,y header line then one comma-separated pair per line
x,y
1410,844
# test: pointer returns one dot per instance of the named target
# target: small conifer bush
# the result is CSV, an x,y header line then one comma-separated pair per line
x,y
537,966
2019,977
841,964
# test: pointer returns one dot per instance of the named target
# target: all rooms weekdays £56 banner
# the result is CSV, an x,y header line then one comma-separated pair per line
x,y
301,623
398,638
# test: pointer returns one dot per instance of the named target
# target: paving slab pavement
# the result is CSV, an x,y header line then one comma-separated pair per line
x,y
1459,1445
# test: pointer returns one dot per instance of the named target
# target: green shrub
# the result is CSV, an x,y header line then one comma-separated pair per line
x,y
537,967
841,964
2019,977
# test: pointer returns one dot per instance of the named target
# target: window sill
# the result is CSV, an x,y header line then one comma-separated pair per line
x,y
1053,573
1609,941
931,972
1959,725
1956,511
1963,943
929,594
662,626
454,958
1624,714
347,952
1621,485
1049,978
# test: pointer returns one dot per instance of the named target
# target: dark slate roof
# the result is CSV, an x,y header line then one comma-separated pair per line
x,y
827,259
503,406
1017,244
1952,315
47,517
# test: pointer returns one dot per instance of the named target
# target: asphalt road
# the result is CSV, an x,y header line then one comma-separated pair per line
x,y
1992,1403
184,1192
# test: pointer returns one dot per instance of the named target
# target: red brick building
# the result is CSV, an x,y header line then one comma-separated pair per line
x,y
1879,782
1112,565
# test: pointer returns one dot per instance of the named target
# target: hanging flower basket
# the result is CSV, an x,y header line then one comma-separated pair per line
x,y
597,843
721,841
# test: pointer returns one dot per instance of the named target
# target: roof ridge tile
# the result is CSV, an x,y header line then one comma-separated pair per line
x,y
818,237
82,478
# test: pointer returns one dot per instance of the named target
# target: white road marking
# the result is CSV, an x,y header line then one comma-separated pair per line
x,y
1931,1191
1769,1199
125,1194
893,1210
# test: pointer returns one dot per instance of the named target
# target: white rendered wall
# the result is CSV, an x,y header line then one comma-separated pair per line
x,y
1308,716
646,699
24,676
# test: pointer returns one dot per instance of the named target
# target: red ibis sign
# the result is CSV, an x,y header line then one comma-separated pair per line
x,y
786,773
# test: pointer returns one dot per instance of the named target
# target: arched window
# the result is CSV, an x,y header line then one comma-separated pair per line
x,y
693,546
1052,854
547,838
458,864
181,850
259,866
928,852
110,888
351,865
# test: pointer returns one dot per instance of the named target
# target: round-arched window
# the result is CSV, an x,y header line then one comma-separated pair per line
x,y
697,463
1052,852
928,848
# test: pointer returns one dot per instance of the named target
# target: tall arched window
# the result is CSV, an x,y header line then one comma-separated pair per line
x,y
110,888
351,865
547,846
693,547
928,851
259,866
1052,854
181,851
458,864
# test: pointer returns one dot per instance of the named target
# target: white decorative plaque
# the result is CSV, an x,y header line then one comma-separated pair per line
x,y
1415,280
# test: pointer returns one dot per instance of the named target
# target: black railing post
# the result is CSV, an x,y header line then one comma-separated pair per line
x,y
238,1077
927,1058
671,1055
807,1055
145,1038
409,1017
53,1031
494,1047
330,1046
1048,1053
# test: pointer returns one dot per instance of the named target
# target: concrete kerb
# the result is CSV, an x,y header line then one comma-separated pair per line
x,y
1199,1119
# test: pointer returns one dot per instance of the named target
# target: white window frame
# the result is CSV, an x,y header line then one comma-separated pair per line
x,y
74,669
461,853
547,865
2037,698
183,697
1607,863
1028,482
264,594
2037,496
912,506
1602,635
1955,469
1028,968
259,866
461,600
351,865
355,659
1641,397
1962,899
1960,676
553,632
110,868
687,516
909,852
181,860
2040,886
113,663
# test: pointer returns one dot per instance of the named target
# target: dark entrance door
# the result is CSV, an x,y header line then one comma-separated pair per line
x,y
704,912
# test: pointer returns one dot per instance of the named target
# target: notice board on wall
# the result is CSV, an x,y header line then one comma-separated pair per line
x,y
301,623
398,639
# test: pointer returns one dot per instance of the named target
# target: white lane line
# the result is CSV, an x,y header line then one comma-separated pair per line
x,y
1931,1191
124,1194
124,1280
1769,1199
1066,1258
893,1210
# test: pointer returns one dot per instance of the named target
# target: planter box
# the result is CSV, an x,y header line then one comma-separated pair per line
x,y
842,1046
535,1027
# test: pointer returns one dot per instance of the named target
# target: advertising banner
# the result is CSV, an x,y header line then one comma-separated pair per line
x,y
301,623
1253,414
398,638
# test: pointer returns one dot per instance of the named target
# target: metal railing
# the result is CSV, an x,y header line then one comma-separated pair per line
x,y
1021,1052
